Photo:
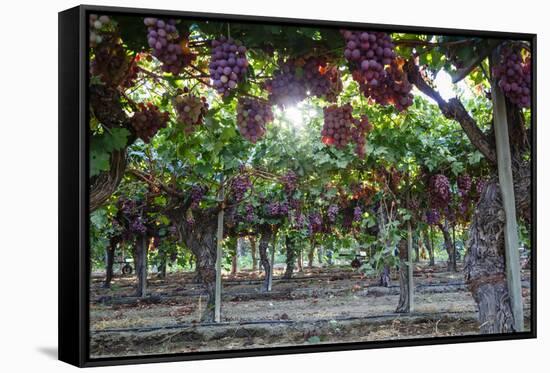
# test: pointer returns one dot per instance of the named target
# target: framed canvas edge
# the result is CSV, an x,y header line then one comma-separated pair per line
x,y
80,111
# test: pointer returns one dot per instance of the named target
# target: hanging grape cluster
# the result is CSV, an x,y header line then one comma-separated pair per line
x,y
191,110
168,45
252,117
332,213
289,180
99,26
322,80
112,64
377,69
337,126
464,183
228,64
340,127
197,194
315,223
357,214
148,120
440,191
432,217
277,209
359,134
239,186
287,87
250,214
513,73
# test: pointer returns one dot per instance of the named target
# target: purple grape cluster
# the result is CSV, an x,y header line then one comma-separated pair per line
x,y
359,134
357,214
137,226
250,214
98,26
286,87
432,217
240,185
337,126
464,183
166,42
276,209
299,220
368,54
513,73
228,64
191,111
332,213
440,191
322,80
252,117
197,194
148,120
315,223
289,182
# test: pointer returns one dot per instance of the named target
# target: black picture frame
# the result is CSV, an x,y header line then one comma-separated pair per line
x,y
74,266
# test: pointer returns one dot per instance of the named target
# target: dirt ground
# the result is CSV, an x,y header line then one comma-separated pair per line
x,y
319,305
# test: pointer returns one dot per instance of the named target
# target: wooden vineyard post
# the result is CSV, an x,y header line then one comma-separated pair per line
x,y
219,238
410,266
506,181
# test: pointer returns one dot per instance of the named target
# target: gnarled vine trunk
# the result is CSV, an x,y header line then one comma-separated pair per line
x,y
484,264
141,265
449,247
109,262
106,183
253,253
404,301
266,237
290,257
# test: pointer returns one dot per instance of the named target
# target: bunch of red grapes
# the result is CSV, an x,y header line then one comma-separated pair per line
x,y
166,42
513,73
322,80
197,194
252,117
98,26
289,182
250,215
191,110
111,63
440,191
148,120
277,209
315,223
368,54
332,213
357,214
432,217
228,64
240,185
340,127
287,87
337,126
359,134
464,183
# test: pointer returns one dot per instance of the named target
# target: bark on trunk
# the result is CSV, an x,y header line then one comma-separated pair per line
x,y
430,246
141,266
416,250
105,184
404,301
451,261
385,279
253,253
109,262
265,239
311,255
290,257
